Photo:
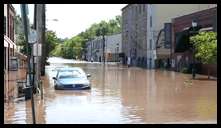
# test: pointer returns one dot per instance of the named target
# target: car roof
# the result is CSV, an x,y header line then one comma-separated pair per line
x,y
70,69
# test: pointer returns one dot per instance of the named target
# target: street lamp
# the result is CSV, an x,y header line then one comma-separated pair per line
x,y
56,20
53,20
194,25
103,32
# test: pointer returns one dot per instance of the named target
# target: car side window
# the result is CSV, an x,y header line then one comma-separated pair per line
x,y
57,74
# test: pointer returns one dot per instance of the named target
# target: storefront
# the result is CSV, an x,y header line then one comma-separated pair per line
x,y
181,49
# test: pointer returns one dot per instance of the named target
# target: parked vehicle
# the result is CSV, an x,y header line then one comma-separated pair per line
x,y
71,78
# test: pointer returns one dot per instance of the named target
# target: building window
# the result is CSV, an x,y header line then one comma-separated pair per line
x,y
5,25
13,29
139,9
143,7
150,21
150,43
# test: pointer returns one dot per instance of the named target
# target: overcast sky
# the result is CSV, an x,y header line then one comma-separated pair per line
x,y
74,18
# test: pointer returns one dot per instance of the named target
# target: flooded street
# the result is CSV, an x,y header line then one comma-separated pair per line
x,y
121,95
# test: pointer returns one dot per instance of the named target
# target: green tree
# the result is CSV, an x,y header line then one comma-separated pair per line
x,y
205,44
51,41
19,33
20,42
75,47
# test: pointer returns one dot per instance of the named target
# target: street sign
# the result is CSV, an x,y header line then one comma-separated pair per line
x,y
154,54
167,35
37,49
32,36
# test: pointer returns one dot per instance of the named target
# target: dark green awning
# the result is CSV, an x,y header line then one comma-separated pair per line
x,y
183,39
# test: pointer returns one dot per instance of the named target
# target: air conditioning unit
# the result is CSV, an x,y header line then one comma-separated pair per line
x,y
13,65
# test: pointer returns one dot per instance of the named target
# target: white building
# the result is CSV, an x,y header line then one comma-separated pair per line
x,y
113,47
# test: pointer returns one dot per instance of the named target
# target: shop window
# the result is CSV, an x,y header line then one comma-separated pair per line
x,y
139,9
143,7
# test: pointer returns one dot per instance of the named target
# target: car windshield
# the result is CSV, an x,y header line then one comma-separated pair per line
x,y
70,74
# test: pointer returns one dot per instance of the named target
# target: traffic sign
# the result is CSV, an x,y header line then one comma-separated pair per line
x,y
32,36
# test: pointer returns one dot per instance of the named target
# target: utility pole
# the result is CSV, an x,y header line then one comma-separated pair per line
x,y
40,26
38,21
194,25
103,48
103,35
24,11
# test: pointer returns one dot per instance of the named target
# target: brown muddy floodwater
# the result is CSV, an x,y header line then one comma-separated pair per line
x,y
122,95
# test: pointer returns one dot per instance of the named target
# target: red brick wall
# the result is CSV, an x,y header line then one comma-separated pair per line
x,y
204,18
212,67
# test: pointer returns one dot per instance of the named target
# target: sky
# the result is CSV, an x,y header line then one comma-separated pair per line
x,y
74,18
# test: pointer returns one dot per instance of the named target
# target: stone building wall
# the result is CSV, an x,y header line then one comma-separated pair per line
x,y
134,29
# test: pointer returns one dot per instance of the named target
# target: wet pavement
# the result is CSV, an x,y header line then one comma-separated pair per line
x,y
121,95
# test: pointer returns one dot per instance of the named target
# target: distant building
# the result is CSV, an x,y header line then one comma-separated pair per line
x,y
112,49
143,30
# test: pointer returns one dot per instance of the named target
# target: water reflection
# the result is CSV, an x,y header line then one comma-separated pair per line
x,y
121,95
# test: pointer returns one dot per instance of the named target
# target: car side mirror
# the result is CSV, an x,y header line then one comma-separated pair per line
x,y
88,75
54,78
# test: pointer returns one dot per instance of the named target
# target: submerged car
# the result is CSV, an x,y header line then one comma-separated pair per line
x,y
71,79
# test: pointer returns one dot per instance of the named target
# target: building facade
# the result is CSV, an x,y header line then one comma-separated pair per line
x,y
112,48
147,30
9,46
9,34
94,50
163,15
206,21
134,30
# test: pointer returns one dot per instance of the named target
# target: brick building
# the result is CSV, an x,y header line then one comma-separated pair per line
x,y
182,56
9,46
